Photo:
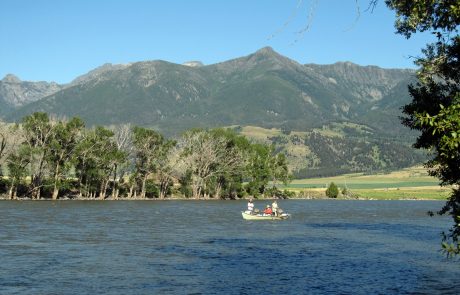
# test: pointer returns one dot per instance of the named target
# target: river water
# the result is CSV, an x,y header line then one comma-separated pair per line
x,y
205,247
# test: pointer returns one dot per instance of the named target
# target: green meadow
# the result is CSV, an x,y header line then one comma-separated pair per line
x,y
411,183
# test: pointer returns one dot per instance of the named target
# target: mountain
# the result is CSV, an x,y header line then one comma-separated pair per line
x,y
326,118
15,93
262,89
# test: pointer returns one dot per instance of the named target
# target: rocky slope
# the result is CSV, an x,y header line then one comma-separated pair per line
x,y
15,93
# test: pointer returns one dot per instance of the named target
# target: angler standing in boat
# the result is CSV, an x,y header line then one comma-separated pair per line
x,y
275,208
250,206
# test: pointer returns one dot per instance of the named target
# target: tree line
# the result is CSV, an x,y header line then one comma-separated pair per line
x,y
46,158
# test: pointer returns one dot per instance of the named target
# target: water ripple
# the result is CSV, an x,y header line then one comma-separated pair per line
x,y
183,247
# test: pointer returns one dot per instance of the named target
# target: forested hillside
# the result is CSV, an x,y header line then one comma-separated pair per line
x,y
337,149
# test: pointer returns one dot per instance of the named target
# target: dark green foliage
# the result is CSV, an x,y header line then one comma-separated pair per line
x,y
258,170
148,146
425,15
47,188
151,189
3,186
185,184
435,107
274,192
94,161
285,194
62,146
332,191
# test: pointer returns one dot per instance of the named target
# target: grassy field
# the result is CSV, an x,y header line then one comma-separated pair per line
x,y
410,183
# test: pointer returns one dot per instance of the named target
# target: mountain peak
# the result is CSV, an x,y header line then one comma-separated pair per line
x,y
10,78
267,54
266,50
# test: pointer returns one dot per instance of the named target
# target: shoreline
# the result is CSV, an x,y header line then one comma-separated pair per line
x,y
2,198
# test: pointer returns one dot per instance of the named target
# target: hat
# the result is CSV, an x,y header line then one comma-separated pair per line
x,y
268,206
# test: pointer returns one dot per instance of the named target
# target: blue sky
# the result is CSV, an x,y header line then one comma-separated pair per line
x,y
58,40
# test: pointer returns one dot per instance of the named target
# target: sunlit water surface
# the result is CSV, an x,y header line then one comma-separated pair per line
x,y
205,247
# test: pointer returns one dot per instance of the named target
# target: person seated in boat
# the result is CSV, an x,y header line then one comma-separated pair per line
x,y
250,206
268,210
275,208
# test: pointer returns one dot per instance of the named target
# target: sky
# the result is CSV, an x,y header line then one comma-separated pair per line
x,y
58,40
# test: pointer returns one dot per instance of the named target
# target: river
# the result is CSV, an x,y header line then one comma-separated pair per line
x,y
205,247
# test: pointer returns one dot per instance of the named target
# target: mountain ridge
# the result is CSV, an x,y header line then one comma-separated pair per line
x,y
264,83
343,117
15,93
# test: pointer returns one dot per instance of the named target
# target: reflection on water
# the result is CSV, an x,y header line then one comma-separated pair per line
x,y
205,247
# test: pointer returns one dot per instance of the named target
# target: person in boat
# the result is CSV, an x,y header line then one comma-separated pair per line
x,y
250,206
268,210
275,208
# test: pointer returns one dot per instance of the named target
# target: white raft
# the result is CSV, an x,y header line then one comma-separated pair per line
x,y
248,216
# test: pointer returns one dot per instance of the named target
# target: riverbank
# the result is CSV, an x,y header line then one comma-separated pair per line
x,y
435,194
407,184
410,193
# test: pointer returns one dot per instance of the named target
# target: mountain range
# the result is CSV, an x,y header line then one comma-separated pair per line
x,y
263,89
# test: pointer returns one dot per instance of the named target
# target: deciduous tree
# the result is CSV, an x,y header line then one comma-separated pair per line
x,y
435,106
207,156
148,150
61,149
93,161
17,163
123,138
38,132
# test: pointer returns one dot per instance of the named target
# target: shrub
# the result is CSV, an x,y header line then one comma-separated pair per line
x,y
332,191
